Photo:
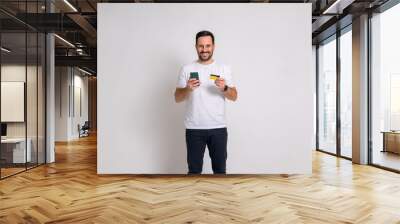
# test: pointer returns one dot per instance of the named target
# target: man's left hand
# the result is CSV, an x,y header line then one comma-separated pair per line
x,y
220,83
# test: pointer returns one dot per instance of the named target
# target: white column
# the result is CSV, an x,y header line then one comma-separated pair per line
x,y
360,90
50,110
50,92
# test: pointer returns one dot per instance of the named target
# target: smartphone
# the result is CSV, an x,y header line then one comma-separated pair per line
x,y
194,75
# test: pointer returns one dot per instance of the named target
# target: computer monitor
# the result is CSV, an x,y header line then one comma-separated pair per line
x,y
3,129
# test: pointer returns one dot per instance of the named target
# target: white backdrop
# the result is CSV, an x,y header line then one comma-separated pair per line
x,y
141,48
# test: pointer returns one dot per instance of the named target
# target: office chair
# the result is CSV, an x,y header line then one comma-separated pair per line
x,y
84,130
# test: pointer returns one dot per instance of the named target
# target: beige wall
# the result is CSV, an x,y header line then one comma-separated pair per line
x,y
92,87
71,102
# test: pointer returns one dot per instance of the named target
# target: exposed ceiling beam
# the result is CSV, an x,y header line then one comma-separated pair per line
x,y
320,22
91,5
83,61
84,24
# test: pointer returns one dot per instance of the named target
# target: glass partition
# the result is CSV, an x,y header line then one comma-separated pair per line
x,y
22,101
13,109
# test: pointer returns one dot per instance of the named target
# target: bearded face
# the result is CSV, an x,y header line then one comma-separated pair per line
x,y
205,48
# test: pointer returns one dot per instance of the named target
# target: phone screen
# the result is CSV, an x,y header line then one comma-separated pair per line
x,y
194,75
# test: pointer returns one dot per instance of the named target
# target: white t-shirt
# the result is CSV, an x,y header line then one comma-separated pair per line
x,y
205,106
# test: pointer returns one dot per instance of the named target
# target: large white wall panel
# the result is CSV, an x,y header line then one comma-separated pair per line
x,y
141,48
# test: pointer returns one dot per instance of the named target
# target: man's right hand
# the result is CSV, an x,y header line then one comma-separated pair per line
x,y
192,84
182,93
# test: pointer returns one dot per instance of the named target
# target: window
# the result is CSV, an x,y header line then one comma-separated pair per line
x,y
385,89
346,93
327,96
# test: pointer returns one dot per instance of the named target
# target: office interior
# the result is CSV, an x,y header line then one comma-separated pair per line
x,y
48,85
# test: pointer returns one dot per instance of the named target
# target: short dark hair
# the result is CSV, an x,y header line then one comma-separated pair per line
x,y
203,34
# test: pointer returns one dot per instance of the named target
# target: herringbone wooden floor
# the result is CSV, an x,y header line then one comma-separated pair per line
x,y
70,191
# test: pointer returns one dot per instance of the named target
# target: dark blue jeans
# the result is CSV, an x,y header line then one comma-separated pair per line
x,y
216,142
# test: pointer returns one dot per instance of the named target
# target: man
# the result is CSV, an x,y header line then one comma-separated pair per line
x,y
204,85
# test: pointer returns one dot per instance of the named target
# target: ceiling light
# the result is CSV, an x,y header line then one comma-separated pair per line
x,y
5,50
331,7
70,5
337,7
84,71
64,40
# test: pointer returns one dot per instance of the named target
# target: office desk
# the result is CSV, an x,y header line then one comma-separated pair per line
x,y
13,150
391,141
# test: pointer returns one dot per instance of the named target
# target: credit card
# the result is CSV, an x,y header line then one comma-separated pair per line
x,y
214,77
